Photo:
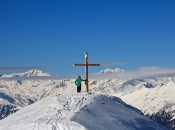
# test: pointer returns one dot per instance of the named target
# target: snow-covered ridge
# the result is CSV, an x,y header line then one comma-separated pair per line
x,y
33,72
109,71
79,112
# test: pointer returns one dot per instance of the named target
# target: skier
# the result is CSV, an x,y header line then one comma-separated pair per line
x,y
78,83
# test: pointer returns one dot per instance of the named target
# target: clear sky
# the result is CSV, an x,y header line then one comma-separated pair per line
x,y
55,34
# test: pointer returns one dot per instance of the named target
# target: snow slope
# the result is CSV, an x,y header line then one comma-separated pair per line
x,y
78,112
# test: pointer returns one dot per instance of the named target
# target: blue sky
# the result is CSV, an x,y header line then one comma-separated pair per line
x,y
55,34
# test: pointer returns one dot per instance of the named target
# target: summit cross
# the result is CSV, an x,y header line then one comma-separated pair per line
x,y
86,65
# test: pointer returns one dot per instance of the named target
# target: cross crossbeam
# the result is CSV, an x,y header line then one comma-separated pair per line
x,y
86,65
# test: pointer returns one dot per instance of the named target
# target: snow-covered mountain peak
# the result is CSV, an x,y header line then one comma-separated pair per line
x,y
33,72
109,71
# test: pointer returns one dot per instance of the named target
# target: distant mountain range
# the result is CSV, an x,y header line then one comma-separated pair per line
x,y
154,97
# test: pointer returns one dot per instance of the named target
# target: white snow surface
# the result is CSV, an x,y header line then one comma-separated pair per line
x,y
78,112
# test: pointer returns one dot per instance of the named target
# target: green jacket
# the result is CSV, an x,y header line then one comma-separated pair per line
x,y
78,82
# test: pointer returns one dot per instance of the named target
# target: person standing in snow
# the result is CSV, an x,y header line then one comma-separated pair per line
x,y
78,83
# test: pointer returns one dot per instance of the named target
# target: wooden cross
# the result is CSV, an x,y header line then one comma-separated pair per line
x,y
86,65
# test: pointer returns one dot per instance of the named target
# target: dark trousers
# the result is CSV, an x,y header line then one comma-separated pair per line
x,y
78,89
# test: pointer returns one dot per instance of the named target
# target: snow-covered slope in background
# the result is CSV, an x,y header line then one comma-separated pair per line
x,y
154,97
79,112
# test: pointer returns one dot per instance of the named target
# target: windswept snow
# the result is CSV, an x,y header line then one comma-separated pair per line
x,y
78,112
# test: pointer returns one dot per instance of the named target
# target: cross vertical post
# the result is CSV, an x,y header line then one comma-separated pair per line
x,y
86,65
87,84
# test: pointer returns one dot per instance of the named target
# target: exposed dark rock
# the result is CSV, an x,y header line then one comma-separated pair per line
x,y
6,110
165,118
